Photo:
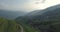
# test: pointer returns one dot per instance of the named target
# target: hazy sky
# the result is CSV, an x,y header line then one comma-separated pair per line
x,y
27,5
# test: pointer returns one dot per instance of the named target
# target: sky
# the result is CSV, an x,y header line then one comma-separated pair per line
x,y
27,5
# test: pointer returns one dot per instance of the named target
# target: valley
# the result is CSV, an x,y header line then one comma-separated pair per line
x,y
47,20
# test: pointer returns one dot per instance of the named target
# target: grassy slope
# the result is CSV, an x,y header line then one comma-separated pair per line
x,y
12,27
7,25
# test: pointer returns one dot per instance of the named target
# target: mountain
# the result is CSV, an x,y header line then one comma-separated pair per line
x,y
39,12
11,14
41,19
48,13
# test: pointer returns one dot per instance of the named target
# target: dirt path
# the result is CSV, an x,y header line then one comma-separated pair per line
x,y
21,28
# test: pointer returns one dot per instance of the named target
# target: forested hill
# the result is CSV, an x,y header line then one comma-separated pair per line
x,y
43,19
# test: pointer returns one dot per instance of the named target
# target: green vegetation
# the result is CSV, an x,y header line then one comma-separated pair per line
x,y
28,28
34,25
8,25
47,20
11,26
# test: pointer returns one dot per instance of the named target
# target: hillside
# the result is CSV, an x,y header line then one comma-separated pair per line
x,y
12,26
43,18
42,14
8,25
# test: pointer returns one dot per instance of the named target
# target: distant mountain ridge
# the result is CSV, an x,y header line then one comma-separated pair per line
x,y
37,12
43,13
49,14
11,14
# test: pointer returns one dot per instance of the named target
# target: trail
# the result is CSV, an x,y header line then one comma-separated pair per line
x,y
21,28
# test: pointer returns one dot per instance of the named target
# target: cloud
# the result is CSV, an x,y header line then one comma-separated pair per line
x,y
12,4
27,5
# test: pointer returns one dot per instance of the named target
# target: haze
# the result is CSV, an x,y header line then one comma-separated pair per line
x,y
27,5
